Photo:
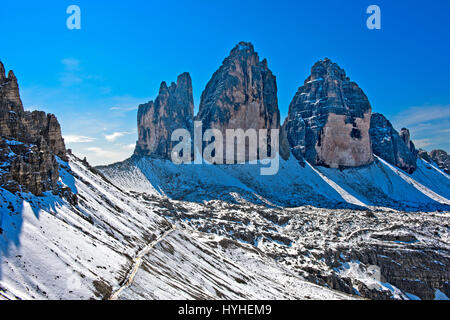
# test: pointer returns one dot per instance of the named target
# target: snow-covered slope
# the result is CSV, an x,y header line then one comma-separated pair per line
x,y
53,248
212,267
378,184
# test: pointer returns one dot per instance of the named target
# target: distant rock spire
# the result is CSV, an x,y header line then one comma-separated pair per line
x,y
2,73
172,109
9,89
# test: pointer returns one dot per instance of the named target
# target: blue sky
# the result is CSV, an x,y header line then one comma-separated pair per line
x,y
93,79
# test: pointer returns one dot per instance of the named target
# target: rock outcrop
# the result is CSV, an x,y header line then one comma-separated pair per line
x,y
388,144
29,142
329,119
440,157
242,94
406,137
172,109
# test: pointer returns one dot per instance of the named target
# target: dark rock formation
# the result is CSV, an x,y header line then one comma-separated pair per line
x,y
242,94
29,142
173,109
406,137
388,144
329,118
424,155
440,157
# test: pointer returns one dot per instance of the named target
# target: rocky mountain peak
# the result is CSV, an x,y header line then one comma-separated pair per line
x,y
440,157
326,69
243,48
329,119
396,148
172,109
241,94
406,137
9,90
2,73
29,142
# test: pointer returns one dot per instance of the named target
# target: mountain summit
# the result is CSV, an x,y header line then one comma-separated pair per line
x,y
156,120
329,119
29,142
241,94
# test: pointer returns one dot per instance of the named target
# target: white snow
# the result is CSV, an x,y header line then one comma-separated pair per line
x,y
50,249
378,184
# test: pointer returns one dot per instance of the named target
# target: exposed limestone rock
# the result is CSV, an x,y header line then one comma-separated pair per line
x,y
173,109
442,159
424,155
406,137
29,142
388,144
242,94
329,119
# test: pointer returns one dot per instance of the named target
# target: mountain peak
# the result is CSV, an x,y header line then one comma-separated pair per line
x,y
326,68
329,118
243,48
2,72
171,110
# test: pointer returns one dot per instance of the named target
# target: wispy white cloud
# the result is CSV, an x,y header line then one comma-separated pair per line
x,y
124,109
71,63
115,135
420,115
429,125
78,139
70,76
422,143
102,156
124,104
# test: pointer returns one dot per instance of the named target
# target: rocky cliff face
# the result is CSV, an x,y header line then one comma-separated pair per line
x,y
29,142
440,157
388,144
242,94
329,119
173,109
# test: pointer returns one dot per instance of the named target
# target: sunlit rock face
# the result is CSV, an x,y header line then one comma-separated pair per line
x,y
173,109
29,142
396,148
329,119
242,94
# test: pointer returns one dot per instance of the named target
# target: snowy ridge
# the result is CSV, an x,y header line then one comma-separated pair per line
x,y
378,184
